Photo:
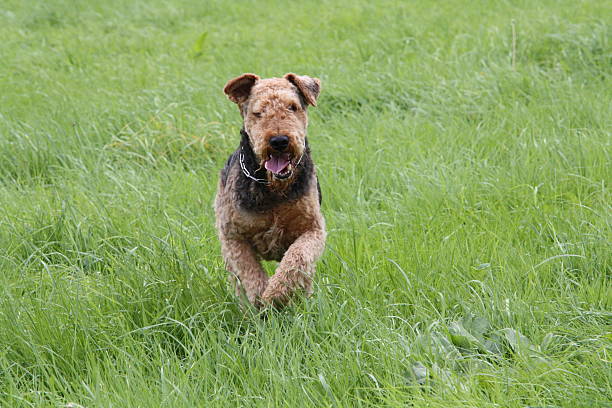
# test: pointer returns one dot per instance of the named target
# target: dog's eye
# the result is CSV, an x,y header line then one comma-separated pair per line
x,y
257,114
293,107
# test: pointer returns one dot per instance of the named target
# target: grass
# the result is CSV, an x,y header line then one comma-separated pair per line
x,y
465,182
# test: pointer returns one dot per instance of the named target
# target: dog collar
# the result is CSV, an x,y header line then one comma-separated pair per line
x,y
246,172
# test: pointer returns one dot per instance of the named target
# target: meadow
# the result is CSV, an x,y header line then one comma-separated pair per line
x,y
463,150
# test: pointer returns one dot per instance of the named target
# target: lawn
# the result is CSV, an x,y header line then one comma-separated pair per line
x,y
463,150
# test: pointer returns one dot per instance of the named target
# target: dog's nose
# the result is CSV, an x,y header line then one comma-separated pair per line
x,y
279,142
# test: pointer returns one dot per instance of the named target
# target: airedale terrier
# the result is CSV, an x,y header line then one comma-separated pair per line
x,y
268,203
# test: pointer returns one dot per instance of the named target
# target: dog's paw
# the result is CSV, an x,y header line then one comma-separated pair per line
x,y
278,292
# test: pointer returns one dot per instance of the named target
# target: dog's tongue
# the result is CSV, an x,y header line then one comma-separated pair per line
x,y
276,164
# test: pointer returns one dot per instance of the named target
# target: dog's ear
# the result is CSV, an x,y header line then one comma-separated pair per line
x,y
239,88
308,87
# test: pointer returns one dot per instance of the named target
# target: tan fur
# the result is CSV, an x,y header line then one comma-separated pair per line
x,y
293,232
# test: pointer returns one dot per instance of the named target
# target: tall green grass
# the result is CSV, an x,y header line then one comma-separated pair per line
x,y
463,150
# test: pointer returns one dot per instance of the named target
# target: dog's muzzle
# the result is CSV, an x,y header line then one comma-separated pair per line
x,y
279,165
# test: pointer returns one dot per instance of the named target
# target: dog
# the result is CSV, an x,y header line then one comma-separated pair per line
x,y
268,202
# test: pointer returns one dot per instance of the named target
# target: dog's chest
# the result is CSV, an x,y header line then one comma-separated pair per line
x,y
271,234
271,231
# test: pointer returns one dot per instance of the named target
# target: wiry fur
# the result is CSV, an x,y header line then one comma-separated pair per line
x,y
271,219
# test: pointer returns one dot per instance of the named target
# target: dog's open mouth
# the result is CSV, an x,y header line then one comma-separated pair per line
x,y
279,166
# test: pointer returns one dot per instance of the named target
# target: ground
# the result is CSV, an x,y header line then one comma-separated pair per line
x,y
463,150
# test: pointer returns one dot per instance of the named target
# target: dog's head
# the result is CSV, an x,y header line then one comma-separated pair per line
x,y
275,118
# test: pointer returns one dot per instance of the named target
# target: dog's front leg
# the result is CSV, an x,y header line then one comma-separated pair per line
x,y
296,269
247,273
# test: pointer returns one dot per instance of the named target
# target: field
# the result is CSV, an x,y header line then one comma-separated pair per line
x,y
463,150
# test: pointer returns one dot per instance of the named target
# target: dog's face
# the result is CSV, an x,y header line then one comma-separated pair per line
x,y
275,118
